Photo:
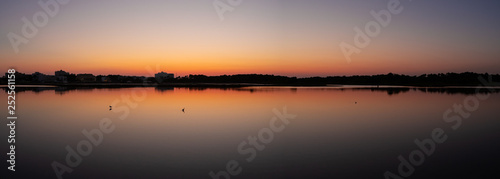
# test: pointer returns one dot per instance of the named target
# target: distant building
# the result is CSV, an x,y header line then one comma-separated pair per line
x,y
160,77
61,76
85,78
104,79
20,77
40,77
61,73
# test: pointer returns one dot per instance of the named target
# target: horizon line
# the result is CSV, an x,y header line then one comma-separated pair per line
x,y
402,74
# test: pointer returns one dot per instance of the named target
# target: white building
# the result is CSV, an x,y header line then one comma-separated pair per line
x,y
61,76
160,77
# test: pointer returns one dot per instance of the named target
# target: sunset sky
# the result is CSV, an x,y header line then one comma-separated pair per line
x,y
283,37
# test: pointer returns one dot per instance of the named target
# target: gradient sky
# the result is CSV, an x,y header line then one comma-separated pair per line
x,y
285,37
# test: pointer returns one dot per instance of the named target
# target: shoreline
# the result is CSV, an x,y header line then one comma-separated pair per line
x,y
231,85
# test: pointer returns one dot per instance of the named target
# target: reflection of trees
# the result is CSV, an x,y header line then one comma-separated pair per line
x,y
467,91
32,89
388,90
391,91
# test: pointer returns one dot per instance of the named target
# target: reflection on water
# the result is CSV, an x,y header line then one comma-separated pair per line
x,y
339,132
389,89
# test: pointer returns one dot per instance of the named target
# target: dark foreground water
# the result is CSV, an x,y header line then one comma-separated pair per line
x,y
243,133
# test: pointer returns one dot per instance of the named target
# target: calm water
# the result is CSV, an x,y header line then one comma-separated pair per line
x,y
337,133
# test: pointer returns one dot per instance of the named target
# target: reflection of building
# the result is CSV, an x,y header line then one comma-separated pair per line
x,y
62,76
164,89
85,78
163,76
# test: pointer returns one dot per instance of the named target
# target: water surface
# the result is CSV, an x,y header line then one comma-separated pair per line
x,y
338,132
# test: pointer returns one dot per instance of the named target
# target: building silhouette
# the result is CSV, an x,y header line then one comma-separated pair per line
x,y
162,76
85,78
61,76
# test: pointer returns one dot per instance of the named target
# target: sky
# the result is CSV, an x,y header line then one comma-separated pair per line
x,y
283,37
